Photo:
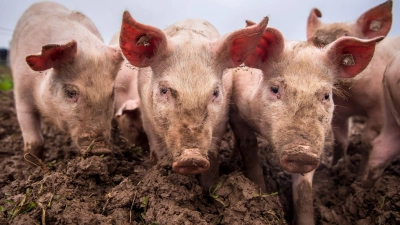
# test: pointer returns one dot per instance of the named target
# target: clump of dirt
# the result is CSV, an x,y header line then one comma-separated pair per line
x,y
126,189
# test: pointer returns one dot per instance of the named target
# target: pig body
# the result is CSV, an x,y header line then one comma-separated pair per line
x,y
362,96
183,90
289,103
70,82
127,103
386,147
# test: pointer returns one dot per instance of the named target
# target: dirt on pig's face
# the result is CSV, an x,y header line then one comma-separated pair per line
x,y
297,108
188,102
81,96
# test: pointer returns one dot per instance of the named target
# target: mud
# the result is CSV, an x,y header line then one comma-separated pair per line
x,y
126,189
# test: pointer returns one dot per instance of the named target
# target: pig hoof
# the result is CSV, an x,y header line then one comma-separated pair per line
x,y
190,166
299,163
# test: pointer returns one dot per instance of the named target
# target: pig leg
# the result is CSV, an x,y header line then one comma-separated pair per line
x,y
302,198
246,142
156,150
340,128
31,132
211,176
371,131
385,149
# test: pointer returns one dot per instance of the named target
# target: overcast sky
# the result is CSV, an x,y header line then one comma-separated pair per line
x,y
289,16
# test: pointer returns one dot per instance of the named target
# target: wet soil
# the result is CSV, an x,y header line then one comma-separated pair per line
x,y
126,189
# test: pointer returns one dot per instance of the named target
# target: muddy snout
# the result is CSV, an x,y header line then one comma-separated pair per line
x,y
190,162
93,146
299,160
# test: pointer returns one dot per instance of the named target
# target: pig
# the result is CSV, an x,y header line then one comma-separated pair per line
x,y
183,90
386,147
285,97
127,103
69,83
362,96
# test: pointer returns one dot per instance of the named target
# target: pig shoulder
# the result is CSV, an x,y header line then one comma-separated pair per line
x,y
391,83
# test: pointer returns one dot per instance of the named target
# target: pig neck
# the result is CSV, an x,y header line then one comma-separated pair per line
x,y
365,90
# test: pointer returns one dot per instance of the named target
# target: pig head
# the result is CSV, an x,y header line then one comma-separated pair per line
x,y
70,82
296,90
373,23
183,92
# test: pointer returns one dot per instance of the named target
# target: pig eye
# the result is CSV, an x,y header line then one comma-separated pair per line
x,y
326,96
163,90
274,89
216,93
71,93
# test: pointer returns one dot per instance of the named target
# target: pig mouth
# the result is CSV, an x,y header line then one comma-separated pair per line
x,y
95,148
191,162
299,162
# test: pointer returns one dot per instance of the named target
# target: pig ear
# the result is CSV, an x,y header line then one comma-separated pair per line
x,y
233,49
116,56
376,21
140,43
351,55
129,105
269,47
52,55
313,22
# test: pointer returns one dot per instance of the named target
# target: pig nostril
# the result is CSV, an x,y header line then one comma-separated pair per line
x,y
191,166
299,163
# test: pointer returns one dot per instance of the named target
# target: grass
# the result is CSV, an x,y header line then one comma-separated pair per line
x,y
6,82
23,207
213,193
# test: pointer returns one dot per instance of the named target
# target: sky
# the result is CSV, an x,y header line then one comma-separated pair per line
x,y
288,16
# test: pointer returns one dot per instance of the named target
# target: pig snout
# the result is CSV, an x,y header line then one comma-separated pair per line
x,y
93,145
191,162
299,160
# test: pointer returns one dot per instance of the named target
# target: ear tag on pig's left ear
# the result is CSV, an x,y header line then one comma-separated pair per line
x,y
375,25
144,40
348,60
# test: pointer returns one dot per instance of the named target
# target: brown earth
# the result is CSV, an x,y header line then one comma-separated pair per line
x,y
125,189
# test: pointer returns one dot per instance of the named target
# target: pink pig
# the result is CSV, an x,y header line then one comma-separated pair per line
x,y
362,96
184,95
289,103
127,103
69,83
386,147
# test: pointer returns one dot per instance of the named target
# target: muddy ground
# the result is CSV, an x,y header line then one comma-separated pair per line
x,y
126,189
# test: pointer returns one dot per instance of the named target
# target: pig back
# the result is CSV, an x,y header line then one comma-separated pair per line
x,y
201,27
